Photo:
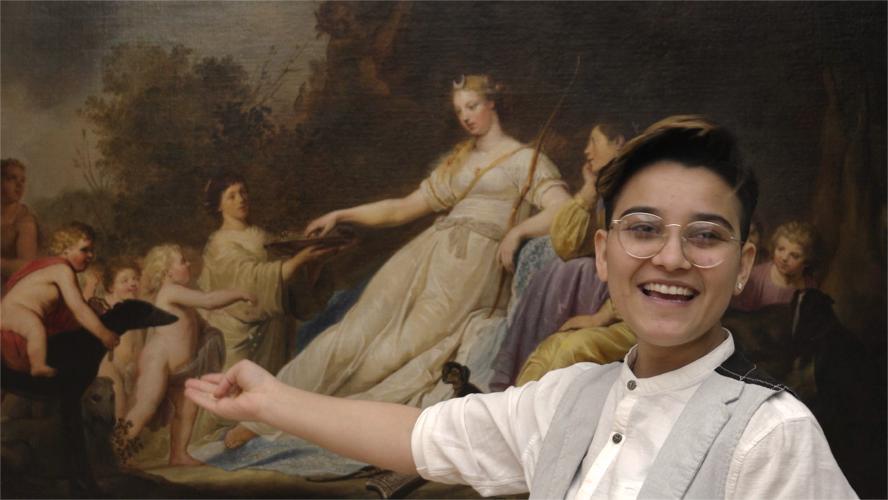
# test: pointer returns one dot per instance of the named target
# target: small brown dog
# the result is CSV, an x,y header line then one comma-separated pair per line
x,y
457,375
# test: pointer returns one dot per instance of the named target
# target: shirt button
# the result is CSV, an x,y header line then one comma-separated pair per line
x,y
617,438
631,385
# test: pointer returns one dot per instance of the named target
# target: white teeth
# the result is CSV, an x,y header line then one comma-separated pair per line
x,y
668,289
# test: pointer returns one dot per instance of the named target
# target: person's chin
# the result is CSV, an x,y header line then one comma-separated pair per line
x,y
664,334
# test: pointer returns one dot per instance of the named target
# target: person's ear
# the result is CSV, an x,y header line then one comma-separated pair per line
x,y
601,254
747,261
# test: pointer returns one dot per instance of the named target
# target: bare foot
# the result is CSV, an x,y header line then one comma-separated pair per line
x,y
238,436
184,460
42,371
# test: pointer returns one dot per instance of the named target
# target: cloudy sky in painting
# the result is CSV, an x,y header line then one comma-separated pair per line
x,y
52,54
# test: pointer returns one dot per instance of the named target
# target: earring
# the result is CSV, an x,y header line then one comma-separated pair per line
x,y
739,285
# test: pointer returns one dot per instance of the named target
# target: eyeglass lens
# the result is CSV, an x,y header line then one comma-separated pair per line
x,y
705,244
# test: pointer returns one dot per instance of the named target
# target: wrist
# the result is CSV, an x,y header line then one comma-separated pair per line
x,y
586,197
339,215
519,233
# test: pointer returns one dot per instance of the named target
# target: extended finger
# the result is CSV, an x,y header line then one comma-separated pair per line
x,y
228,385
213,377
200,398
202,385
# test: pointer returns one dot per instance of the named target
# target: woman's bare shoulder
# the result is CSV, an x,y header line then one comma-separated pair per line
x,y
25,216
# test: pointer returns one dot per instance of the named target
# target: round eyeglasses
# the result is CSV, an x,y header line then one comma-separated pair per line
x,y
705,244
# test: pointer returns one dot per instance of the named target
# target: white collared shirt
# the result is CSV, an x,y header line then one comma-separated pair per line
x,y
492,442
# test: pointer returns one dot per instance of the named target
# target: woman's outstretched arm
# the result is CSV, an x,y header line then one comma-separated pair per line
x,y
384,213
369,431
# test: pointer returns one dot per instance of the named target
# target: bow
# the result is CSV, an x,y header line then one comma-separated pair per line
x,y
531,172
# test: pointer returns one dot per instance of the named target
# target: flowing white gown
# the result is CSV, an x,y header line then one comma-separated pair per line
x,y
432,300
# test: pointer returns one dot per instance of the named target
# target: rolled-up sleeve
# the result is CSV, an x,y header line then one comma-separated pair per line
x,y
489,441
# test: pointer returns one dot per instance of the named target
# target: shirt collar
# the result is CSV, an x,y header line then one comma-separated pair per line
x,y
689,375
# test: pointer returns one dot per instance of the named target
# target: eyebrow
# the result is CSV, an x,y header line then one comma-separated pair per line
x,y
714,218
697,216
637,209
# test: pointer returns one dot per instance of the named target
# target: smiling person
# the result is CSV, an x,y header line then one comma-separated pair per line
x,y
684,416
120,279
437,295
776,282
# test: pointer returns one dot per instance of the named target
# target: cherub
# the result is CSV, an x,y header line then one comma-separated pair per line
x,y
120,280
43,299
165,278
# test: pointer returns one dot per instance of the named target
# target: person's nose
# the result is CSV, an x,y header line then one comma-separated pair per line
x,y
672,257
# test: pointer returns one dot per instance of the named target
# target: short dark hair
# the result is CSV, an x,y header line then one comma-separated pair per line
x,y
613,128
692,141
216,186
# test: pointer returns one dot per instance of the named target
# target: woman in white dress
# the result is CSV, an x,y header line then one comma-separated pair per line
x,y
438,294
235,257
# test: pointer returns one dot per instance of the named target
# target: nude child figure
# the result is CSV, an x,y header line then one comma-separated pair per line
x,y
33,306
166,278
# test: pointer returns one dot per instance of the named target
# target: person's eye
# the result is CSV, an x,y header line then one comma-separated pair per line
x,y
707,235
644,230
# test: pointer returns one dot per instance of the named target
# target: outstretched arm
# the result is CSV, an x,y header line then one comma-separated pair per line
x,y
313,254
538,225
184,296
369,431
384,213
71,294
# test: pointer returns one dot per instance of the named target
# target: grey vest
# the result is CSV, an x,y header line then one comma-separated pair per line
x,y
694,459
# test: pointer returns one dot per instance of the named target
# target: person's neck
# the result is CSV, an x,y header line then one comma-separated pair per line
x,y
652,360
492,140
232,223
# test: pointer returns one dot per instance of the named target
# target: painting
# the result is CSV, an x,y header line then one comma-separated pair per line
x,y
137,119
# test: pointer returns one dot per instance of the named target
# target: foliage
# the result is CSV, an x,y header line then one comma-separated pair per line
x,y
93,207
165,123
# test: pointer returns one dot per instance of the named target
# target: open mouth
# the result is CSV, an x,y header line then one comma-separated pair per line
x,y
672,293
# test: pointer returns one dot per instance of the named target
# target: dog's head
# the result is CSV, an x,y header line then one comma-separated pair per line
x,y
136,314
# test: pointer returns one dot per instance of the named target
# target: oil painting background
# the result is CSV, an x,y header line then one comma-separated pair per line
x,y
121,110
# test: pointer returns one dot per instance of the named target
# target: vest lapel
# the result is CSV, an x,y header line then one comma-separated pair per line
x,y
571,431
691,438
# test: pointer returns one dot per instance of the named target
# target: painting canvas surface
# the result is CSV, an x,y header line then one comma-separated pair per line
x,y
121,112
